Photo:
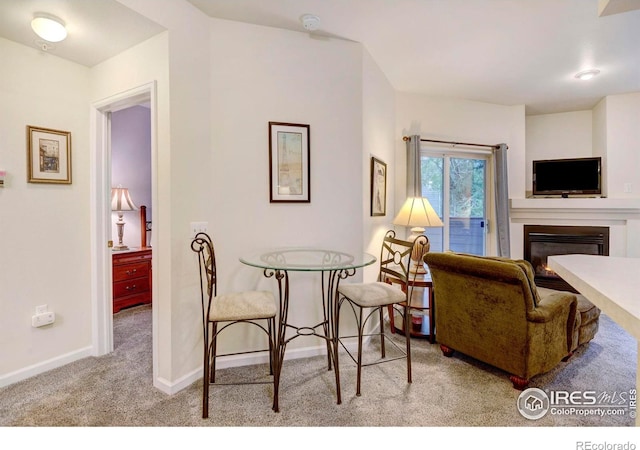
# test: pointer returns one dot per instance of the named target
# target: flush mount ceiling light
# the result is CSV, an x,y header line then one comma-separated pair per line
x,y
49,28
310,22
587,74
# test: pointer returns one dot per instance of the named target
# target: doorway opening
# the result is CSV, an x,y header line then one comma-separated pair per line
x,y
101,221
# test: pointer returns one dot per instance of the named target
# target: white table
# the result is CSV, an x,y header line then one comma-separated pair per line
x,y
611,283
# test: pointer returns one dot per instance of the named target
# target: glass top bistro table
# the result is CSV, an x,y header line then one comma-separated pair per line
x,y
334,267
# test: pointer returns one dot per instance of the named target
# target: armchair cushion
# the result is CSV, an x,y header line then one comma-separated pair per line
x,y
526,267
587,319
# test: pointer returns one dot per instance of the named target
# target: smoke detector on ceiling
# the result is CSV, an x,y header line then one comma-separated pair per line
x,y
310,22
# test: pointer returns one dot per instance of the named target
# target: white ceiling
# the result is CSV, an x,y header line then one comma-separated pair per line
x,y
98,29
508,52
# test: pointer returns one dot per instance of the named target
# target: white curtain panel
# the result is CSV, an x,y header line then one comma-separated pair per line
x,y
414,176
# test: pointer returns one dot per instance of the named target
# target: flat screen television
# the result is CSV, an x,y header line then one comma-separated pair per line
x,y
565,177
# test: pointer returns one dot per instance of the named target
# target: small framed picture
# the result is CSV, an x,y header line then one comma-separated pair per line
x,y
289,164
48,155
378,187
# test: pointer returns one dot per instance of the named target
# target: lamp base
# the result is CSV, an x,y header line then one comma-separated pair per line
x,y
417,268
120,224
417,264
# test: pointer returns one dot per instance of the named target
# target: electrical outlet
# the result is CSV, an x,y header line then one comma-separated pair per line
x,y
628,188
40,320
198,227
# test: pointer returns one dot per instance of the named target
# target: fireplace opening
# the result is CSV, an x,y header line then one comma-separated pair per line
x,y
542,241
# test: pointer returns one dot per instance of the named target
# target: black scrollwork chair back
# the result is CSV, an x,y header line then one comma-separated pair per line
x,y
222,311
369,300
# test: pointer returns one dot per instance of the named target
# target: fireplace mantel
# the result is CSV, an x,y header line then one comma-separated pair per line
x,y
617,209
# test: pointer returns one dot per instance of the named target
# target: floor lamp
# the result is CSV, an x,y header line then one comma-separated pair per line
x,y
121,202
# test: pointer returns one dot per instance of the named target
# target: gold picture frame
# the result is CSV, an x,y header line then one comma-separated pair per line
x,y
289,163
48,155
378,187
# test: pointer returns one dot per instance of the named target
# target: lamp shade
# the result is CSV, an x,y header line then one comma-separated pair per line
x,y
121,200
417,212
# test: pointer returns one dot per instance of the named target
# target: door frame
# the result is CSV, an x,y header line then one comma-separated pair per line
x,y
100,192
446,155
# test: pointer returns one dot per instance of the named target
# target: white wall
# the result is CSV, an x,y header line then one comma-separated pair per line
x,y
553,136
623,144
617,139
378,138
261,74
44,228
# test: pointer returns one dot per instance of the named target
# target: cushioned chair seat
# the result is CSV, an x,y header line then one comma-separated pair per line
x,y
372,294
243,306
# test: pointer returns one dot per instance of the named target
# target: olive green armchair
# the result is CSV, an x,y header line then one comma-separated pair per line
x,y
489,309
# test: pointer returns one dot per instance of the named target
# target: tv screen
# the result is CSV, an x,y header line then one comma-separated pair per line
x,y
575,176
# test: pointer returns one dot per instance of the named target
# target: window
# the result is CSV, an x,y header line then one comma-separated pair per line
x,y
456,185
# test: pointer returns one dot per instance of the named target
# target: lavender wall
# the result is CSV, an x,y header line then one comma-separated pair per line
x,y
131,166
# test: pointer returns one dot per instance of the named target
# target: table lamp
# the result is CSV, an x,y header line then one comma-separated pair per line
x,y
120,202
417,213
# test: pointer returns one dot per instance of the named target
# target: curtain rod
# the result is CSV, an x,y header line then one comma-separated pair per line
x,y
406,138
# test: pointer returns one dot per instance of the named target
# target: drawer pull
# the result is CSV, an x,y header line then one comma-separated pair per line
x,y
130,288
131,272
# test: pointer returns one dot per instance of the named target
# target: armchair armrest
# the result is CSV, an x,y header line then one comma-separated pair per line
x,y
561,307
552,305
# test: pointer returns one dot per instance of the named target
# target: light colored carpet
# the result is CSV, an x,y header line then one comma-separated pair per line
x,y
116,390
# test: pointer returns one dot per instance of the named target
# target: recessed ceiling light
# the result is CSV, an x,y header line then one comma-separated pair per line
x,y
49,28
587,74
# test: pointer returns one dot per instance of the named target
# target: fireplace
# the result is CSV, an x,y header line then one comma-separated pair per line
x,y
541,241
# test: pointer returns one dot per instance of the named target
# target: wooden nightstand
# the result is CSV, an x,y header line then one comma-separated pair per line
x,y
131,278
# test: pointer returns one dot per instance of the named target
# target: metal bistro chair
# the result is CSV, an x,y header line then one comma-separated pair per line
x,y
221,311
395,261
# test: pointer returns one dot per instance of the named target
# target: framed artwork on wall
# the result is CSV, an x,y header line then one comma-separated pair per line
x,y
378,187
289,163
48,155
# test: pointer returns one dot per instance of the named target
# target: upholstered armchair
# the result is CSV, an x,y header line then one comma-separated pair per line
x,y
489,309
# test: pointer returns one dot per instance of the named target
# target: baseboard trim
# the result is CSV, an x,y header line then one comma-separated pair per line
x,y
45,366
161,383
